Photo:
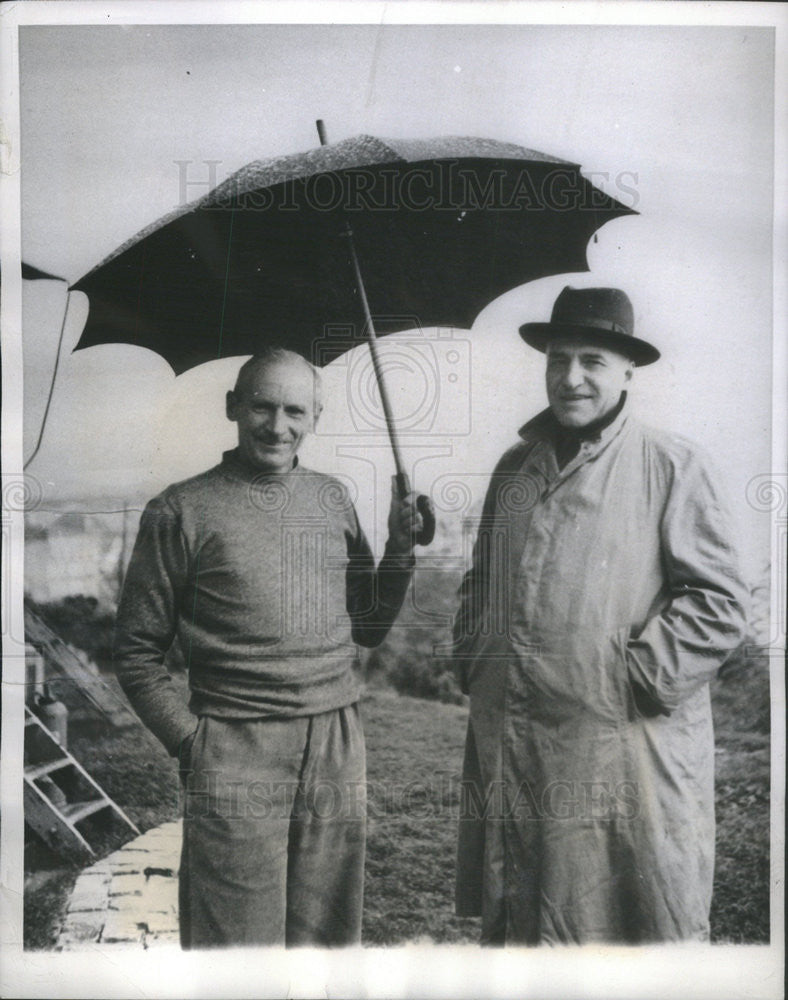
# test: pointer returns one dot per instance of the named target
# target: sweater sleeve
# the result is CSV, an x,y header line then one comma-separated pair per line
x,y
374,596
146,624
682,648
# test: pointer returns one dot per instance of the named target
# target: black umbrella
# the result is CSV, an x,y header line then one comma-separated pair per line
x,y
441,227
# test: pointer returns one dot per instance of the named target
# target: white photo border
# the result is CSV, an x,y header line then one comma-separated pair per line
x,y
412,971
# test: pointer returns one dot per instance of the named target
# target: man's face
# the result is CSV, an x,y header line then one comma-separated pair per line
x,y
274,409
584,381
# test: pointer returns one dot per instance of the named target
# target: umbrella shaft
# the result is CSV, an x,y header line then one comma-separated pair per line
x,y
373,348
402,479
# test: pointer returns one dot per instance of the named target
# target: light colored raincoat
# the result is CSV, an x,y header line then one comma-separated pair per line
x,y
602,599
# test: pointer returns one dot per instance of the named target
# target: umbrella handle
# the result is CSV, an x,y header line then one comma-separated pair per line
x,y
423,505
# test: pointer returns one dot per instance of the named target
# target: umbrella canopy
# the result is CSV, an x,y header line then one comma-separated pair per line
x,y
441,227
30,273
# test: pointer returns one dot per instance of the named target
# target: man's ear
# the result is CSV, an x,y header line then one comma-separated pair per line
x,y
231,404
630,369
316,417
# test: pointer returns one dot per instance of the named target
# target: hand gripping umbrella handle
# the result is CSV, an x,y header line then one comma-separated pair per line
x,y
423,506
423,503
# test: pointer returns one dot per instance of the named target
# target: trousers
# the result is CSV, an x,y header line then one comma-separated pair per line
x,y
274,832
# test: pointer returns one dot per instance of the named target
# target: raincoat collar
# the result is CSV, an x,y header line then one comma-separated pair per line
x,y
544,432
544,427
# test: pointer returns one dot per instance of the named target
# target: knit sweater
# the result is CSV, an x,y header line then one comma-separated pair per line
x,y
266,583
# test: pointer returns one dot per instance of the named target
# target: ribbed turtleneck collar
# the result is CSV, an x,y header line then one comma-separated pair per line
x,y
234,464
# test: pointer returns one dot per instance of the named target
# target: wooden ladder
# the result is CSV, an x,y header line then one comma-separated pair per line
x,y
60,794
63,663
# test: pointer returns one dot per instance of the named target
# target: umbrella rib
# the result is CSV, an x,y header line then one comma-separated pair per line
x,y
51,384
226,280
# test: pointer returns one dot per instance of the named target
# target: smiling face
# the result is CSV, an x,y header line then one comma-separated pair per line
x,y
275,406
584,380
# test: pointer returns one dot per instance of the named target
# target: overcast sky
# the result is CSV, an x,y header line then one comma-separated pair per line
x,y
682,116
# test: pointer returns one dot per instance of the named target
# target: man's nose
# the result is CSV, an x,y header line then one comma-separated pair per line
x,y
573,374
278,421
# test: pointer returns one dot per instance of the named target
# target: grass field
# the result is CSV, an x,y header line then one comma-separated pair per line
x,y
414,750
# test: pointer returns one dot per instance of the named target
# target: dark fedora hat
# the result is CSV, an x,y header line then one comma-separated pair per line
x,y
604,315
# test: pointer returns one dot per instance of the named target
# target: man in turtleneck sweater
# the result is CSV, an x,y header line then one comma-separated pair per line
x,y
259,571
603,597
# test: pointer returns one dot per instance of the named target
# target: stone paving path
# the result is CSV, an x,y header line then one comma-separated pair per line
x,y
130,897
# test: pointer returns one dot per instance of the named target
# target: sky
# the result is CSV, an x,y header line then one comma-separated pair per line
x,y
117,124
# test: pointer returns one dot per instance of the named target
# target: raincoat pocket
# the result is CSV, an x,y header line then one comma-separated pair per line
x,y
640,704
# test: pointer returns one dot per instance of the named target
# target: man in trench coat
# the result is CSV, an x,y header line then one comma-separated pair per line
x,y
258,569
603,597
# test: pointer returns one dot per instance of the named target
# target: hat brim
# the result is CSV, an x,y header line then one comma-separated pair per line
x,y
539,335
